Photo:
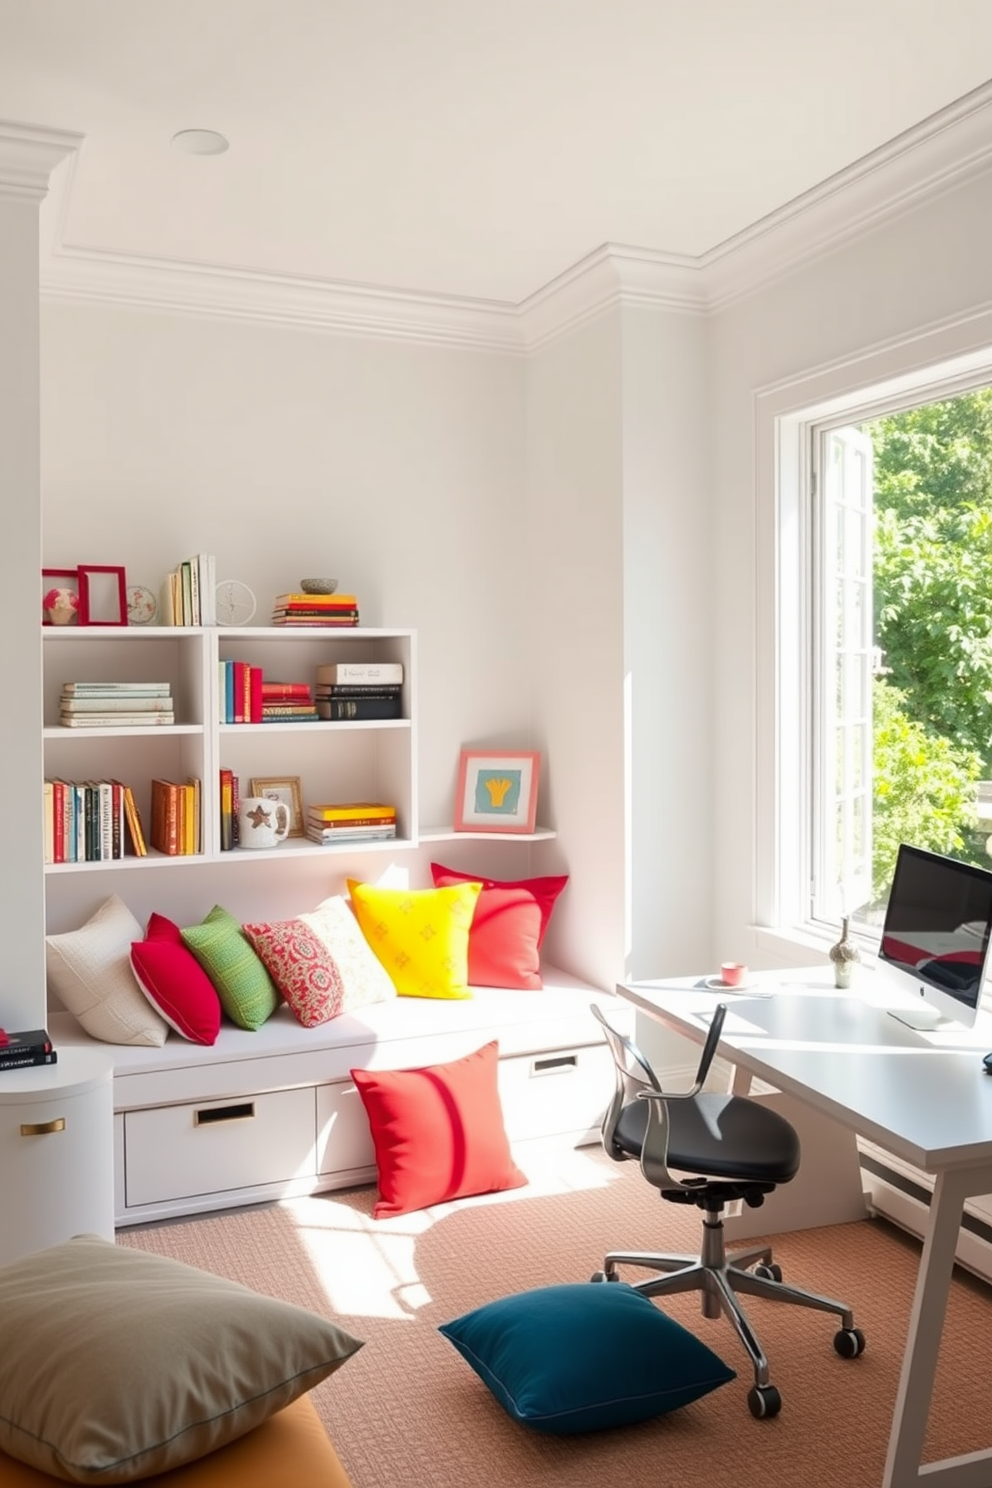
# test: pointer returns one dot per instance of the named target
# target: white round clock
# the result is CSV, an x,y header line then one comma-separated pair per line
x,y
234,601
141,605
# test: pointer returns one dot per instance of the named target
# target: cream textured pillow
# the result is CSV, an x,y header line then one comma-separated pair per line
x,y
89,971
116,1364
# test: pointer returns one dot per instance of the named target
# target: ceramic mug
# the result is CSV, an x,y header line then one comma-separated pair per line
x,y
262,822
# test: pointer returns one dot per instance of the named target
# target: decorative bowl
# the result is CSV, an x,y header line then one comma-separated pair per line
x,y
318,586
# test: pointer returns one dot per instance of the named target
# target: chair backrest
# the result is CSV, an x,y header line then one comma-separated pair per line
x,y
634,1075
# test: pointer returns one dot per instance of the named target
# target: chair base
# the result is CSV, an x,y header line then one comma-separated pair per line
x,y
720,1277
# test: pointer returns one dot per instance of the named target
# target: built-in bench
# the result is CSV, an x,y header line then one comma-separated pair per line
x,y
275,1113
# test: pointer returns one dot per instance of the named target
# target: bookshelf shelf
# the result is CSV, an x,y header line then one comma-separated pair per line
x,y
348,760
449,834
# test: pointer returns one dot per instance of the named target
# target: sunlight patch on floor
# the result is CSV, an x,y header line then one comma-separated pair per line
x,y
367,1267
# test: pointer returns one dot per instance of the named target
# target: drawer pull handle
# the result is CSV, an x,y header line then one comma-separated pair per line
x,y
242,1112
42,1128
555,1064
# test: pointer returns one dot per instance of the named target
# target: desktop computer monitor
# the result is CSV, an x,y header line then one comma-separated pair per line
x,y
936,937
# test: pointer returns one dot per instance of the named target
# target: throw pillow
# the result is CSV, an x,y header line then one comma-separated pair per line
x,y
175,983
89,971
583,1356
438,1132
419,935
510,922
246,991
321,962
116,1364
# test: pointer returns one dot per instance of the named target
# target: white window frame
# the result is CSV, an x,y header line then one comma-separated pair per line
x,y
936,364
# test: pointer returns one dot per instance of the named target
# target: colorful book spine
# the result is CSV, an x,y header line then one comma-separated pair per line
x,y
343,710
26,1061
349,810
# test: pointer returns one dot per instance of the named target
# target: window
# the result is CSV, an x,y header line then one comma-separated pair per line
x,y
872,559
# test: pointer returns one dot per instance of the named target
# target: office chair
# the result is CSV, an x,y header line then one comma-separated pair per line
x,y
740,1149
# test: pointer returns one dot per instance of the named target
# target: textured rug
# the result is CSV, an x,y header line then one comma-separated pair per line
x,y
407,1412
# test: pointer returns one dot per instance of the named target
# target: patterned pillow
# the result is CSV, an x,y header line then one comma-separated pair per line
x,y
321,962
245,989
89,971
419,935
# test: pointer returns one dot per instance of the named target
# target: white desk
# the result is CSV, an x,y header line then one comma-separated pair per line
x,y
922,1096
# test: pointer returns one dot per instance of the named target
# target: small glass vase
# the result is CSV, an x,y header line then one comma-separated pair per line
x,y
844,955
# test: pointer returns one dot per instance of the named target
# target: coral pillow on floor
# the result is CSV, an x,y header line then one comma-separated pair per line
x,y
510,922
438,1132
175,983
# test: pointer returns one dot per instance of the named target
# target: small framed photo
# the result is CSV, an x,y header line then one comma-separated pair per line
x,y
285,788
60,596
102,595
497,791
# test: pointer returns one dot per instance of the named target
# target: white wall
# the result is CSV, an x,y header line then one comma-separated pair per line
x,y
399,469
912,293
22,978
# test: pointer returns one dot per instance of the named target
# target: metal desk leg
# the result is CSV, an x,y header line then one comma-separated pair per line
x,y
909,1420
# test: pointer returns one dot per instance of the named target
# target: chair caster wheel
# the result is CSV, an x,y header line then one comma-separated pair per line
x,y
604,1276
764,1401
769,1271
849,1342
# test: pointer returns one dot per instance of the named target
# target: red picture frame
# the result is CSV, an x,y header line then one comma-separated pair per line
x,y
102,594
53,579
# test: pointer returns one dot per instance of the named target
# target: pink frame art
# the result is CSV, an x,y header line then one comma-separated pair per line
x,y
497,791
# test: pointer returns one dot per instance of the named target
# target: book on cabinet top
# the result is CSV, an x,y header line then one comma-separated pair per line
x,y
25,1041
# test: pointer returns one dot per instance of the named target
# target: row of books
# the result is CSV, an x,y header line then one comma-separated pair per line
x,y
247,697
189,593
90,821
20,1050
343,691
116,704
315,610
335,822
230,800
175,827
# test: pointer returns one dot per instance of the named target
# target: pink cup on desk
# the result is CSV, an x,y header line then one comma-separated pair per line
x,y
733,973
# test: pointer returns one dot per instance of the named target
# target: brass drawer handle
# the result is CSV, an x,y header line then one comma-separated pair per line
x,y
42,1128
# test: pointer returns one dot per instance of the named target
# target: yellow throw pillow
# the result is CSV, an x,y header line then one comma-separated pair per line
x,y
419,935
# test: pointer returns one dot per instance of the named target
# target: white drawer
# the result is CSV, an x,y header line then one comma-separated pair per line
x,y
549,1094
344,1142
177,1152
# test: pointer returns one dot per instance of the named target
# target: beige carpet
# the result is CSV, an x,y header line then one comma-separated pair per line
x,y
407,1412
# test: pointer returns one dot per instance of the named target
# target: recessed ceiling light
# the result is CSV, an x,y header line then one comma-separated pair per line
x,y
200,142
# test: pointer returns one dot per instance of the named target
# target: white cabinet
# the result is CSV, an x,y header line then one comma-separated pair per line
x,y
56,1152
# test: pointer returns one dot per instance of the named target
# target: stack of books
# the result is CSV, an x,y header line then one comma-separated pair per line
x,y
336,822
315,609
175,817
18,1050
116,705
288,702
189,594
359,690
90,821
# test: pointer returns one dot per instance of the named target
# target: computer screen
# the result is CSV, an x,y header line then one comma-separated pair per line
x,y
936,936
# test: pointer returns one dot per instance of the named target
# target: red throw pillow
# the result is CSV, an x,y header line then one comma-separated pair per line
x,y
438,1132
175,983
509,924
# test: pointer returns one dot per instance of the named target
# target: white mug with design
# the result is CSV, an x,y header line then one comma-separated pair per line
x,y
262,822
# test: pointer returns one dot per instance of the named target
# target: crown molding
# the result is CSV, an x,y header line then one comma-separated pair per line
x,y
28,156
935,156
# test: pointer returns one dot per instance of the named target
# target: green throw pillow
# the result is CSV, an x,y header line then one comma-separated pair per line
x,y
117,1365
583,1356
247,993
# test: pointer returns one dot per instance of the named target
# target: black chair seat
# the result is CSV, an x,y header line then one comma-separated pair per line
x,y
724,1136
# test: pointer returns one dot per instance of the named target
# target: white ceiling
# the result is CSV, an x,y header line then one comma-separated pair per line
x,y
466,148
